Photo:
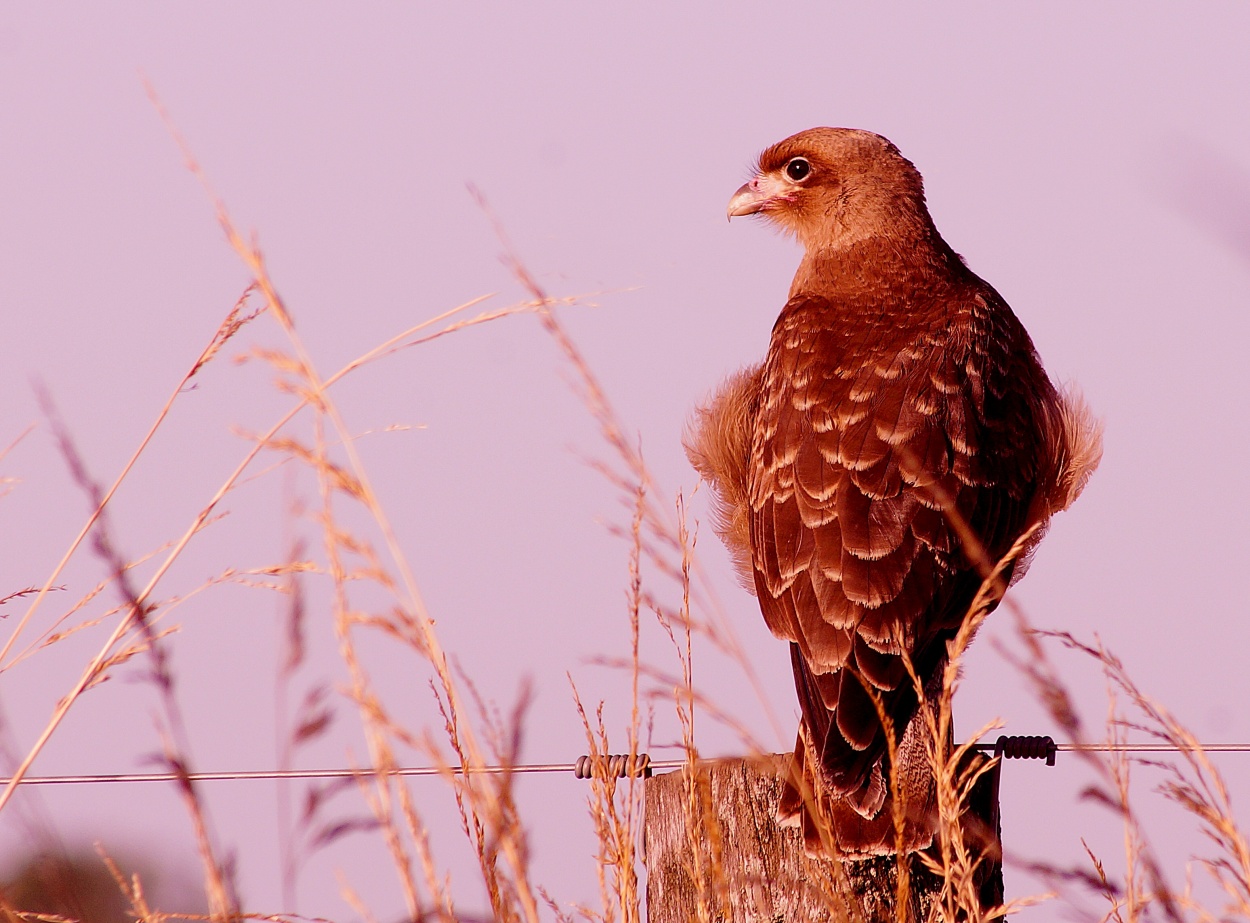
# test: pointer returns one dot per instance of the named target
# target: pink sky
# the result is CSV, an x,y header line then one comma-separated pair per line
x,y
1092,163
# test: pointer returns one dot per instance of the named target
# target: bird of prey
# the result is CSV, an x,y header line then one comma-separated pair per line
x,y
896,441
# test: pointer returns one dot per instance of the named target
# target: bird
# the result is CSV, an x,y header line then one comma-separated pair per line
x,y
899,437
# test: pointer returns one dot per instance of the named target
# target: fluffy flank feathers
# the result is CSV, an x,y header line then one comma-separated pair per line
x,y
718,444
1081,451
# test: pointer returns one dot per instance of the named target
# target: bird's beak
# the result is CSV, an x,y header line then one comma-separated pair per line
x,y
760,194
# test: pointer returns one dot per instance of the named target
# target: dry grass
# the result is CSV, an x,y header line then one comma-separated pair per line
x,y
371,591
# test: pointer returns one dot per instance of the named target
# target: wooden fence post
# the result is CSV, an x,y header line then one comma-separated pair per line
x,y
764,874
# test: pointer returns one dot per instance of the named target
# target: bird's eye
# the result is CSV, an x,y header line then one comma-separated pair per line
x,y
798,169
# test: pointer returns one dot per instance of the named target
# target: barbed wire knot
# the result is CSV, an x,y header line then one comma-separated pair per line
x,y
1026,747
619,766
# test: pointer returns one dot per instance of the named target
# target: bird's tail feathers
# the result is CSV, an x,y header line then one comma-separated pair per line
x,y
835,825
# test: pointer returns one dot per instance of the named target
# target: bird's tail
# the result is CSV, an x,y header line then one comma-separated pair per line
x,y
840,797
854,775
835,826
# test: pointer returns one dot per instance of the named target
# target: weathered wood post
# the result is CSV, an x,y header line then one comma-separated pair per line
x,y
753,871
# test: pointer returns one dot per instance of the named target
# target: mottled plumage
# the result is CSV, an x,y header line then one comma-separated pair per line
x,y
901,406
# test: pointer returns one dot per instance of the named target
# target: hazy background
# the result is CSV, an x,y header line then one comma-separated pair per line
x,y
1092,162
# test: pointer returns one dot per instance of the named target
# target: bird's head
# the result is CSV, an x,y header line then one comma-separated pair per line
x,y
831,187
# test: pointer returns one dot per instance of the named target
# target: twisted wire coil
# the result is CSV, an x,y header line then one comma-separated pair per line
x,y
618,765
1026,747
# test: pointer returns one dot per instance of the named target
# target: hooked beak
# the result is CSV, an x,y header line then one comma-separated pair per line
x,y
761,194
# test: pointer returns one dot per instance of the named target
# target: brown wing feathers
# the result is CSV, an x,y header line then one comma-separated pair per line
x,y
836,554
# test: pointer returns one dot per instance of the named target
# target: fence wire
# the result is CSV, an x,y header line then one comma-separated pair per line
x,y
583,768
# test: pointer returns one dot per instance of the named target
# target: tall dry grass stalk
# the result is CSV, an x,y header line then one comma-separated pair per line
x,y
372,592
1146,890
